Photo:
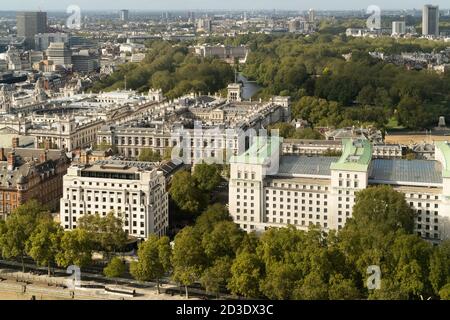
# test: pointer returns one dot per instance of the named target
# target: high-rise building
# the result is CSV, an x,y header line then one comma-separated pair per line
x,y
398,27
124,15
59,53
430,20
311,15
29,24
204,24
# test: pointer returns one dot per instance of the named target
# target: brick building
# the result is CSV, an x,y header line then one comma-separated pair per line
x,y
30,174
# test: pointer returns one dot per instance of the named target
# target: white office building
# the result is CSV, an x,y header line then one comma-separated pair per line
x,y
269,190
398,28
134,191
430,20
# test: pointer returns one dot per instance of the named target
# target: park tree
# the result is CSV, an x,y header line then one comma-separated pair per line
x,y
206,176
153,260
44,243
115,268
444,293
280,280
440,266
246,273
106,232
76,249
213,214
312,287
216,277
342,289
223,241
18,228
186,194
188,259
384,208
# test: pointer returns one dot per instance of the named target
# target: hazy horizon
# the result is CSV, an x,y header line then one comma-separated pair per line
x,y
180,5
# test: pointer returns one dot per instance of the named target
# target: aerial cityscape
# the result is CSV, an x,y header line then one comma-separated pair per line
x,y
192,152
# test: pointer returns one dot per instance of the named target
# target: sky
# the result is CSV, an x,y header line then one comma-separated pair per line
x,y
61,5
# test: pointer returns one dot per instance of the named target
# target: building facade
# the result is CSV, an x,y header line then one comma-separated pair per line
x,y
134,191
305,190
430,20
27,174
29,24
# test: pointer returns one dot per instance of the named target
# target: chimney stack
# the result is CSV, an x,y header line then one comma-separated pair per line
x,y
43,157
15,142
11,160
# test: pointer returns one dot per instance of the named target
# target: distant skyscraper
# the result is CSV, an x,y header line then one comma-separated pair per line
x,y
430,20
124,15
311,15
204,24
29,24
398,27
191,17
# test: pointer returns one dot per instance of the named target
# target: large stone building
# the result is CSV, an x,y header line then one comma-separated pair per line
x,y
134,191
30,174
68,133
213,125
269,190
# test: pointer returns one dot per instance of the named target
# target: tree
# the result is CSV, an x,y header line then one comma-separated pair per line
x,y
106,232
286,130
188,259
384,207
76,249
216,277
149,155
44,243
115,268
19,227
210,217
185,193
313,287
342,289
246,272
279,281
440,266
206,177
410,113
223,241
444,293
153,260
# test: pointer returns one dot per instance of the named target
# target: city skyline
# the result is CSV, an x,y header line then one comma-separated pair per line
x,y
53,5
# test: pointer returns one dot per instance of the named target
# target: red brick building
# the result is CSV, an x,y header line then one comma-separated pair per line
x,y
30,174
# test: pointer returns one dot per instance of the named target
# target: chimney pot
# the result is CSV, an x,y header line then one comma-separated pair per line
x,y
15,142
43,157
11,160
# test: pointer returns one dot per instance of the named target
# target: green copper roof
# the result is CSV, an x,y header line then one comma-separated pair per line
x,y
260,151
444,147
356,155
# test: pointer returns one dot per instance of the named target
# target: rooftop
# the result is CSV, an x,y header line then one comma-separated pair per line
x,y
417,171
261,150
356,155
303,165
